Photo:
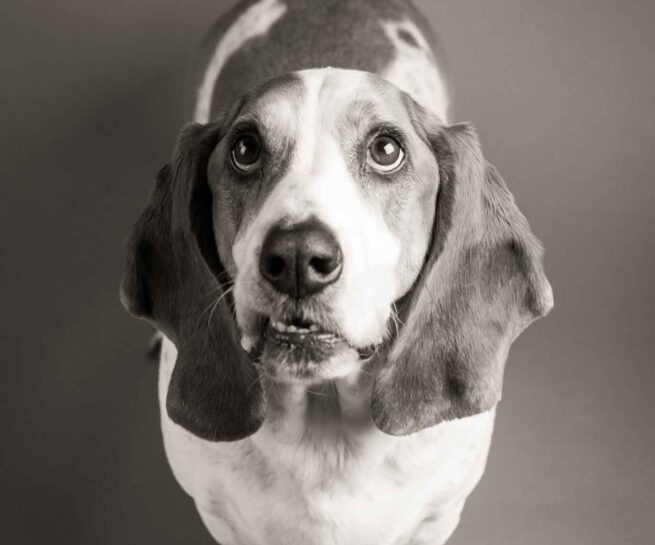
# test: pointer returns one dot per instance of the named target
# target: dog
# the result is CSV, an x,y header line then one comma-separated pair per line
x,y
337,275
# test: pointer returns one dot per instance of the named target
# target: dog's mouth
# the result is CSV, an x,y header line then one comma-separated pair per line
x,y
295,348
300,340
299,331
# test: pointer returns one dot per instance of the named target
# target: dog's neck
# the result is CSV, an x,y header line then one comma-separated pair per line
x,y
321,430
338,408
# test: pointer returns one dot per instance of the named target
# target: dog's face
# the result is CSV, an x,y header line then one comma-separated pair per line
x,y
291,228
323,192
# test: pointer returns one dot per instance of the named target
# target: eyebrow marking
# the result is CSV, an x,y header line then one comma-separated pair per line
x,y
255,21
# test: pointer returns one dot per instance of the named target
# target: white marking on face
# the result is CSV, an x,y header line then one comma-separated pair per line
x,y
255,21
318,183
414,69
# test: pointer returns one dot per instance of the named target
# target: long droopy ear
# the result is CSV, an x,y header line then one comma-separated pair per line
x,y
481,285
172,278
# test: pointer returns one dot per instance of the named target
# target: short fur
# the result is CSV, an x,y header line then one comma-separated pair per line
x,y
272,460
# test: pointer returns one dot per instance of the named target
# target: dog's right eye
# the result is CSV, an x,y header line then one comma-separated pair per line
x,y
385,154
246,153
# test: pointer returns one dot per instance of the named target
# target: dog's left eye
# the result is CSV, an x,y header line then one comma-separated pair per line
x,y
246,153
385,154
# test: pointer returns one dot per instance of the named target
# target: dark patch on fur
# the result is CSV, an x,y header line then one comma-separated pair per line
x,y
456,385
407,37
312,34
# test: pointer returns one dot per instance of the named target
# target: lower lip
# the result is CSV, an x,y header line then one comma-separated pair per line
x,y
300,347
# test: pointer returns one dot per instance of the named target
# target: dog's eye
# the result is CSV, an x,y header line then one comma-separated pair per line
x,y
246,153
385,154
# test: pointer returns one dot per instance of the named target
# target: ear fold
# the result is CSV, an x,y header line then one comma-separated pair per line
x,y
173,275
481,285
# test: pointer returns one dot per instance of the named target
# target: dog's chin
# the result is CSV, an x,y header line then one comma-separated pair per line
x,y
302,352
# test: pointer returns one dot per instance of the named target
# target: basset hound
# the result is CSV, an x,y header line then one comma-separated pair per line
x,y
337,274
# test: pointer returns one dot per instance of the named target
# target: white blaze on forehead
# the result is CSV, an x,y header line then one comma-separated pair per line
x,y
253,22
320,184
414,68
310,126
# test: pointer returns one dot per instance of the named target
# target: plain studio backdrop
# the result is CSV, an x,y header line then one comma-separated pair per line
x,y
93,95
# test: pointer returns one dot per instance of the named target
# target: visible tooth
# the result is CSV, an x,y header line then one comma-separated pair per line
x,y
292,328
313,327
279,326
247,343
302,330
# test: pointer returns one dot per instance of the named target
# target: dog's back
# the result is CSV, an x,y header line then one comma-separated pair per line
x,y
260,39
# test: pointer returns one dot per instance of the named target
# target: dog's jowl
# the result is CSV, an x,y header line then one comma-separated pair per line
x,y
337,274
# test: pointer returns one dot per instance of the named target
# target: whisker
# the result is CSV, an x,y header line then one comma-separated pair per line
x,y
396,320
213,303
258,378
395,311
209,320
228,283
210,305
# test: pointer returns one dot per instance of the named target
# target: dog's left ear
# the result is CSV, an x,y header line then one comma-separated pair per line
x,y
173,278
481,285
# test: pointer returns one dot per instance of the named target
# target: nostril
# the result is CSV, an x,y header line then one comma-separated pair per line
x,y
322,265
275,266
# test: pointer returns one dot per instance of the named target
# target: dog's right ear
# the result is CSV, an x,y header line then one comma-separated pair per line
x,y
145,289
174,279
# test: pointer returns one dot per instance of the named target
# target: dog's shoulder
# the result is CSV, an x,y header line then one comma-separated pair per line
x,y
259,40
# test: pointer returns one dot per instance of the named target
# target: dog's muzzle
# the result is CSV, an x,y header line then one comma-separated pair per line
x,y
299,261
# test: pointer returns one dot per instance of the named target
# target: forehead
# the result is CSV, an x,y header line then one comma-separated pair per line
x,y
326,97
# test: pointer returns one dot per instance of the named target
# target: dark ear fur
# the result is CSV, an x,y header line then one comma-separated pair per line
x,y
482,284
173,275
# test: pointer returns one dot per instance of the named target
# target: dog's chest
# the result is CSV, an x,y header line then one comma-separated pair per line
x,y
313,482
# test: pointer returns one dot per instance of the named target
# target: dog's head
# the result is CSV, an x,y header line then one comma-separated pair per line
x,y
325,216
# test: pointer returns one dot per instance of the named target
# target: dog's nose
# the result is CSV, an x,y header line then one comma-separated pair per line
x,y
300,259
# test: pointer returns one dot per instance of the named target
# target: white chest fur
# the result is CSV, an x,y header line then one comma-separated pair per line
x,y
309,478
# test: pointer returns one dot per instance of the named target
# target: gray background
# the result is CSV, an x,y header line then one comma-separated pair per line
x,y
92,95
